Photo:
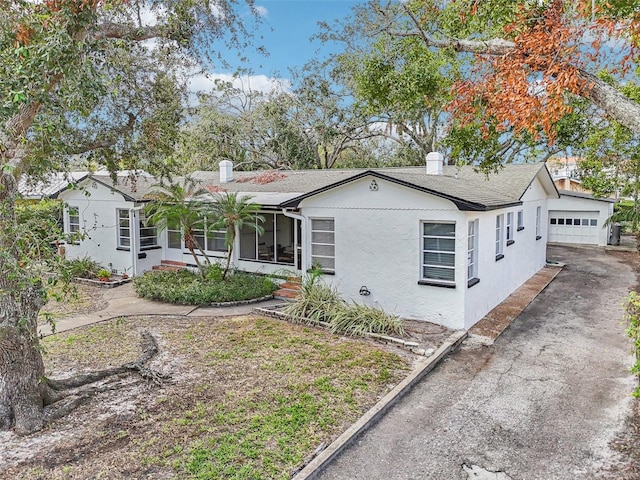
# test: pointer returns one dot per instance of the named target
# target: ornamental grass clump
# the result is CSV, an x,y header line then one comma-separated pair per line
x,y
319,302
357,320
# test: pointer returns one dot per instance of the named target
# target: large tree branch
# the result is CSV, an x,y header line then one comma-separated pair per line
x,y
106,142
117,30
604,96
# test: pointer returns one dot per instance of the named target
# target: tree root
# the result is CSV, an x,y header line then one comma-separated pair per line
x,y
61,392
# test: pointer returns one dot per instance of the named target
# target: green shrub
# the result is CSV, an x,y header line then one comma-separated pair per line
x,y
187,288
319,302
83,267
632,316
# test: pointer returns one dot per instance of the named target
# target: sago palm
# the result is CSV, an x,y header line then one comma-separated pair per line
x,y
232,214
180,205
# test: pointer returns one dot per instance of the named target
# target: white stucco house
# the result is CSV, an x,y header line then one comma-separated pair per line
x,y
443,244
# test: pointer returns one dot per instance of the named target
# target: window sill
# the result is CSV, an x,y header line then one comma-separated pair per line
x,y
322,272
151,247
538,237
510,242
472,282
519,229
123,249
433,283
499,257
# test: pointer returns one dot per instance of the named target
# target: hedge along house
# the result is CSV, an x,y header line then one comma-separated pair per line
x,y
111,219
443,244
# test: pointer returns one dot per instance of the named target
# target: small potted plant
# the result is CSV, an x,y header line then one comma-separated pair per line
x,y
125,275
104,275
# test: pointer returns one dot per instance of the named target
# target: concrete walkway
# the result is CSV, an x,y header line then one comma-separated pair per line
x,y
122,301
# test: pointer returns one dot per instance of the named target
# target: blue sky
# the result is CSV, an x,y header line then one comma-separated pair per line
x,y
293,22
286,29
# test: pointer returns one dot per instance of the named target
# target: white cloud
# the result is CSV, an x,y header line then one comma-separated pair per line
x,y
261,83
261,11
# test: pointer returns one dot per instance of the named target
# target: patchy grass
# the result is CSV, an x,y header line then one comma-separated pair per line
x,y
250,398
70,299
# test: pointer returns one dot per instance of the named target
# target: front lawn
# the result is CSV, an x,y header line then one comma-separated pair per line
x,y
249,398
188,288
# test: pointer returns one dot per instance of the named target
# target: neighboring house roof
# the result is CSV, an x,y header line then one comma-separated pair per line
x,y
588,196
50,187
132,187
465,187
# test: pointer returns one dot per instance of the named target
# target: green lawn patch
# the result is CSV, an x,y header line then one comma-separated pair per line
x,y
250,398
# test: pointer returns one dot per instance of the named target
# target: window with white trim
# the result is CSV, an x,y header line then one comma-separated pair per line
x,y
472,253
538,215
148,233
73,219
124,228
439,252
499,236
174,236
323,244
509,229
212,241
520,220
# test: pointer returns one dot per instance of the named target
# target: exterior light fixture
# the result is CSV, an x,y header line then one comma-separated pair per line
x,y
364,291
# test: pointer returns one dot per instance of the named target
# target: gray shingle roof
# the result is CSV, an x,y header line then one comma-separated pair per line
x,y
134,188
589,196
468,189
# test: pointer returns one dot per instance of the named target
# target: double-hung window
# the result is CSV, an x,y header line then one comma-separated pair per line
x,y
510,240
210,240
439,253
174,236
538,215
472,254
499,237
520,220
73,219
148,233
323,245
124,228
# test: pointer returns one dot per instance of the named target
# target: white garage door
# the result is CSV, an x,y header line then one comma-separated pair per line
x,y
573,227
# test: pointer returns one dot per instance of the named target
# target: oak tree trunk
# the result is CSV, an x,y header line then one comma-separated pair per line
x,y
23,391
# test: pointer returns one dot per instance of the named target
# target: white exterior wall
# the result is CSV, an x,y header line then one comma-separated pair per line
x,y
604,209
378,245
99,224
522,259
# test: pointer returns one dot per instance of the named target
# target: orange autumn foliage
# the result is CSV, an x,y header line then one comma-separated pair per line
x,y
526,89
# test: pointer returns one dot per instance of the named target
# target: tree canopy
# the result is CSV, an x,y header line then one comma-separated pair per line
x,y
86,80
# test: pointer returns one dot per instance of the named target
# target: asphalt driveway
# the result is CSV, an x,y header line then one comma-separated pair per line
x,y
541,403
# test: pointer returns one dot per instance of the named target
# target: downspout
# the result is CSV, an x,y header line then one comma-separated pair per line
x,y
302,221
133,229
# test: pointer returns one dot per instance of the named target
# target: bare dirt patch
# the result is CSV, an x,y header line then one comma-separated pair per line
x,y
78,299
248,398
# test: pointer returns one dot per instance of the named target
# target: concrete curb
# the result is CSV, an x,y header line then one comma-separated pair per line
x,y
319,463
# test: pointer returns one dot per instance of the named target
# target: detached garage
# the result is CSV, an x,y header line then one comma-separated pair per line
x,y
579,218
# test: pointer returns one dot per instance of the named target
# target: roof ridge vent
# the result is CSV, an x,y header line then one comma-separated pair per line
x,y
435,160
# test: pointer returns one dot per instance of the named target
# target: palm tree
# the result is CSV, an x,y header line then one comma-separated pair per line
x,y
231,214
180,205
